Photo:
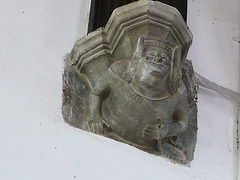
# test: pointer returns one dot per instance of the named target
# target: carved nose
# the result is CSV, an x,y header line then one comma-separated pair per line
x,y
158,59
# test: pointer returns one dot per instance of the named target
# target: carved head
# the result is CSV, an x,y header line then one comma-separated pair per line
x,y
162,58
157,59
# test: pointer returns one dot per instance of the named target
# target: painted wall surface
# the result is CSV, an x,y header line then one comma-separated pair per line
x,y
35,143
215,55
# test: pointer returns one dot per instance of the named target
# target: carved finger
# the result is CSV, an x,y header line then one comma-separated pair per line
x,y
150,127
95,128
108,125
161,126
100,128
148,130
147,134
144,134
92,128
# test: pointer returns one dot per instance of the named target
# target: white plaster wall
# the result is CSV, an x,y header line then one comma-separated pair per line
x,y
215,55
35,143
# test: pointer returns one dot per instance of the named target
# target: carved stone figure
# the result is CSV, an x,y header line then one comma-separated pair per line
x,y
139,100
135,85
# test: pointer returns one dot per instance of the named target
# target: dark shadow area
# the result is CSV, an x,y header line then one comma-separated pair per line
x,y
101,10
180,5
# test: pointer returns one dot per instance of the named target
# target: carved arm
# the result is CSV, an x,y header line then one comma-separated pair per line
x,y
168,129
180,121
98,93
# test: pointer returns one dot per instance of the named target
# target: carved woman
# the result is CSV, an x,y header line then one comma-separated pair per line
x,y
142,101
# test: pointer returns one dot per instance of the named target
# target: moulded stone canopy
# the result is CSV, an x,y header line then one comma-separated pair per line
x,y
126,24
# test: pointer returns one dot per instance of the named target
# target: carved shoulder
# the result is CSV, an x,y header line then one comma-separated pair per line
x,y
121,69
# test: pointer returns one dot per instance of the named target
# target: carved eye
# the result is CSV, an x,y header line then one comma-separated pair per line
x,y
149,58
163,55
150,55
165,58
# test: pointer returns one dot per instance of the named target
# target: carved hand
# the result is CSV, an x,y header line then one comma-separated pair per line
x,y
156,132
95,125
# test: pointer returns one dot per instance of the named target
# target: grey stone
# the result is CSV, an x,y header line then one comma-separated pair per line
x,y
130,81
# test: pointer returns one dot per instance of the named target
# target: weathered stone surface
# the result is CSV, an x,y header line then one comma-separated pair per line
x,y
130,81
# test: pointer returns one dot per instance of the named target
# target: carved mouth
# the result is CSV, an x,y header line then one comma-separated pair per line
x,y
158,64
156,67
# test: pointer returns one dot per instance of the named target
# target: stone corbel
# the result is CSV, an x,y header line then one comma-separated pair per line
x,y
111,50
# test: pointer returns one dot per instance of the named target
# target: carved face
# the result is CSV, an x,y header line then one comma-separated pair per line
x,y
157,60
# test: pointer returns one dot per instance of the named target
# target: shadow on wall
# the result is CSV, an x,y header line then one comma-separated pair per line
x,y
101,10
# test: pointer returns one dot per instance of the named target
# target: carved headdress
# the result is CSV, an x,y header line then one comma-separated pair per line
x,y
175,78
